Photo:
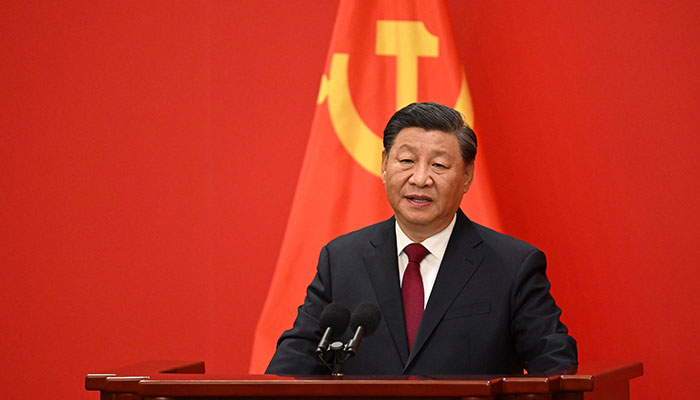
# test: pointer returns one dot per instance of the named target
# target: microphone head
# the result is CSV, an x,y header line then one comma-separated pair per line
x,y
368,316
336,317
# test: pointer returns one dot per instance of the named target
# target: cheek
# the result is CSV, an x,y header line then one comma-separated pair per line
x,y
453,188
393,183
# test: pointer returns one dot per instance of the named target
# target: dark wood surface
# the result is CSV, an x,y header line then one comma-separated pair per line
x,y
188,380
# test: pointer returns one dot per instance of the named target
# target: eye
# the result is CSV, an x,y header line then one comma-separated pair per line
x,y
406,161
438,165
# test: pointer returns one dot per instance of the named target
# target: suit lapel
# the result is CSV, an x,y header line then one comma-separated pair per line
x,y
462,258
382,267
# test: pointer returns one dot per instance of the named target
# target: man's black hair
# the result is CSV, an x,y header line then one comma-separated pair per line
x,y
432,117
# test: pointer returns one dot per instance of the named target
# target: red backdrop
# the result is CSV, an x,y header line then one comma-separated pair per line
x,y
150,152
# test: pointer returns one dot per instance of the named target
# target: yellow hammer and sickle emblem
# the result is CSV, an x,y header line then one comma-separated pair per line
x,y
406,40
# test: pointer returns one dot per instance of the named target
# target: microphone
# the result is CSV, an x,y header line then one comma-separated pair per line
x,y
334,321
364,321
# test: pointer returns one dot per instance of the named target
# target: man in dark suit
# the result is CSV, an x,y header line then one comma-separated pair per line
x,y
474,301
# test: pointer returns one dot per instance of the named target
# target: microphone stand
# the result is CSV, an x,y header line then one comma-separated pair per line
x,y
338,359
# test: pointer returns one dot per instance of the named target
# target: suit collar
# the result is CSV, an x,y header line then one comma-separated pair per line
x,y
462,258
382,267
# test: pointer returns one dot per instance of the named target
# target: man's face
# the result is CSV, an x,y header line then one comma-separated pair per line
x,y
425,178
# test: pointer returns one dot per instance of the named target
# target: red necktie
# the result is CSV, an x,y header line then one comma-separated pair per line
x,y
412,290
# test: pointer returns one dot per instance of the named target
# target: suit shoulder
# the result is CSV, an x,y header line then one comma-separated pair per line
x,y
504,245
362,236
507,254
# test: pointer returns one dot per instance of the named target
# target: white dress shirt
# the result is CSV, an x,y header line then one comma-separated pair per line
x,y
436,245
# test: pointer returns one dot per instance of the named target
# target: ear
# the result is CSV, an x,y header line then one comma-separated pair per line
x,y
384,158
468,176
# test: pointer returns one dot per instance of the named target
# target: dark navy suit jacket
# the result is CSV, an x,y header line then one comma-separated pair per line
x,y
489,312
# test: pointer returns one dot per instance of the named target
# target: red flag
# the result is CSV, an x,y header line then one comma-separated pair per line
x,y
383,56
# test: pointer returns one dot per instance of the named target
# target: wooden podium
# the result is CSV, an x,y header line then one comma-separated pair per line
x,y
171,380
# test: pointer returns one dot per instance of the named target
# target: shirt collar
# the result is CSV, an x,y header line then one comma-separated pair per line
x,y
436,244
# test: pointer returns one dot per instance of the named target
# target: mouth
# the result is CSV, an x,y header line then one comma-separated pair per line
x,y
419,200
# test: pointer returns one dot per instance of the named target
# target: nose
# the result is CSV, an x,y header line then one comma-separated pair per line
x,y
420,176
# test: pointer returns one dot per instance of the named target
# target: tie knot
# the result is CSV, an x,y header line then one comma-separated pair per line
x,y
415,252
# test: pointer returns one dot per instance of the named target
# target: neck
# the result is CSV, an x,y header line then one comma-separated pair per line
x,y
419,233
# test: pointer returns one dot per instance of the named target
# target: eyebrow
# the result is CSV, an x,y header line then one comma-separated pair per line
x,y
408,147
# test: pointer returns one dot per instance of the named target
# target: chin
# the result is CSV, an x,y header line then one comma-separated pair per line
x,y
421,221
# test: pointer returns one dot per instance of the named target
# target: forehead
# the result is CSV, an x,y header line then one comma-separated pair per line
x,y
419,139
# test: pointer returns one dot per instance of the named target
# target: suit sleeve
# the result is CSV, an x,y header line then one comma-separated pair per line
x,y
295,348
541,339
